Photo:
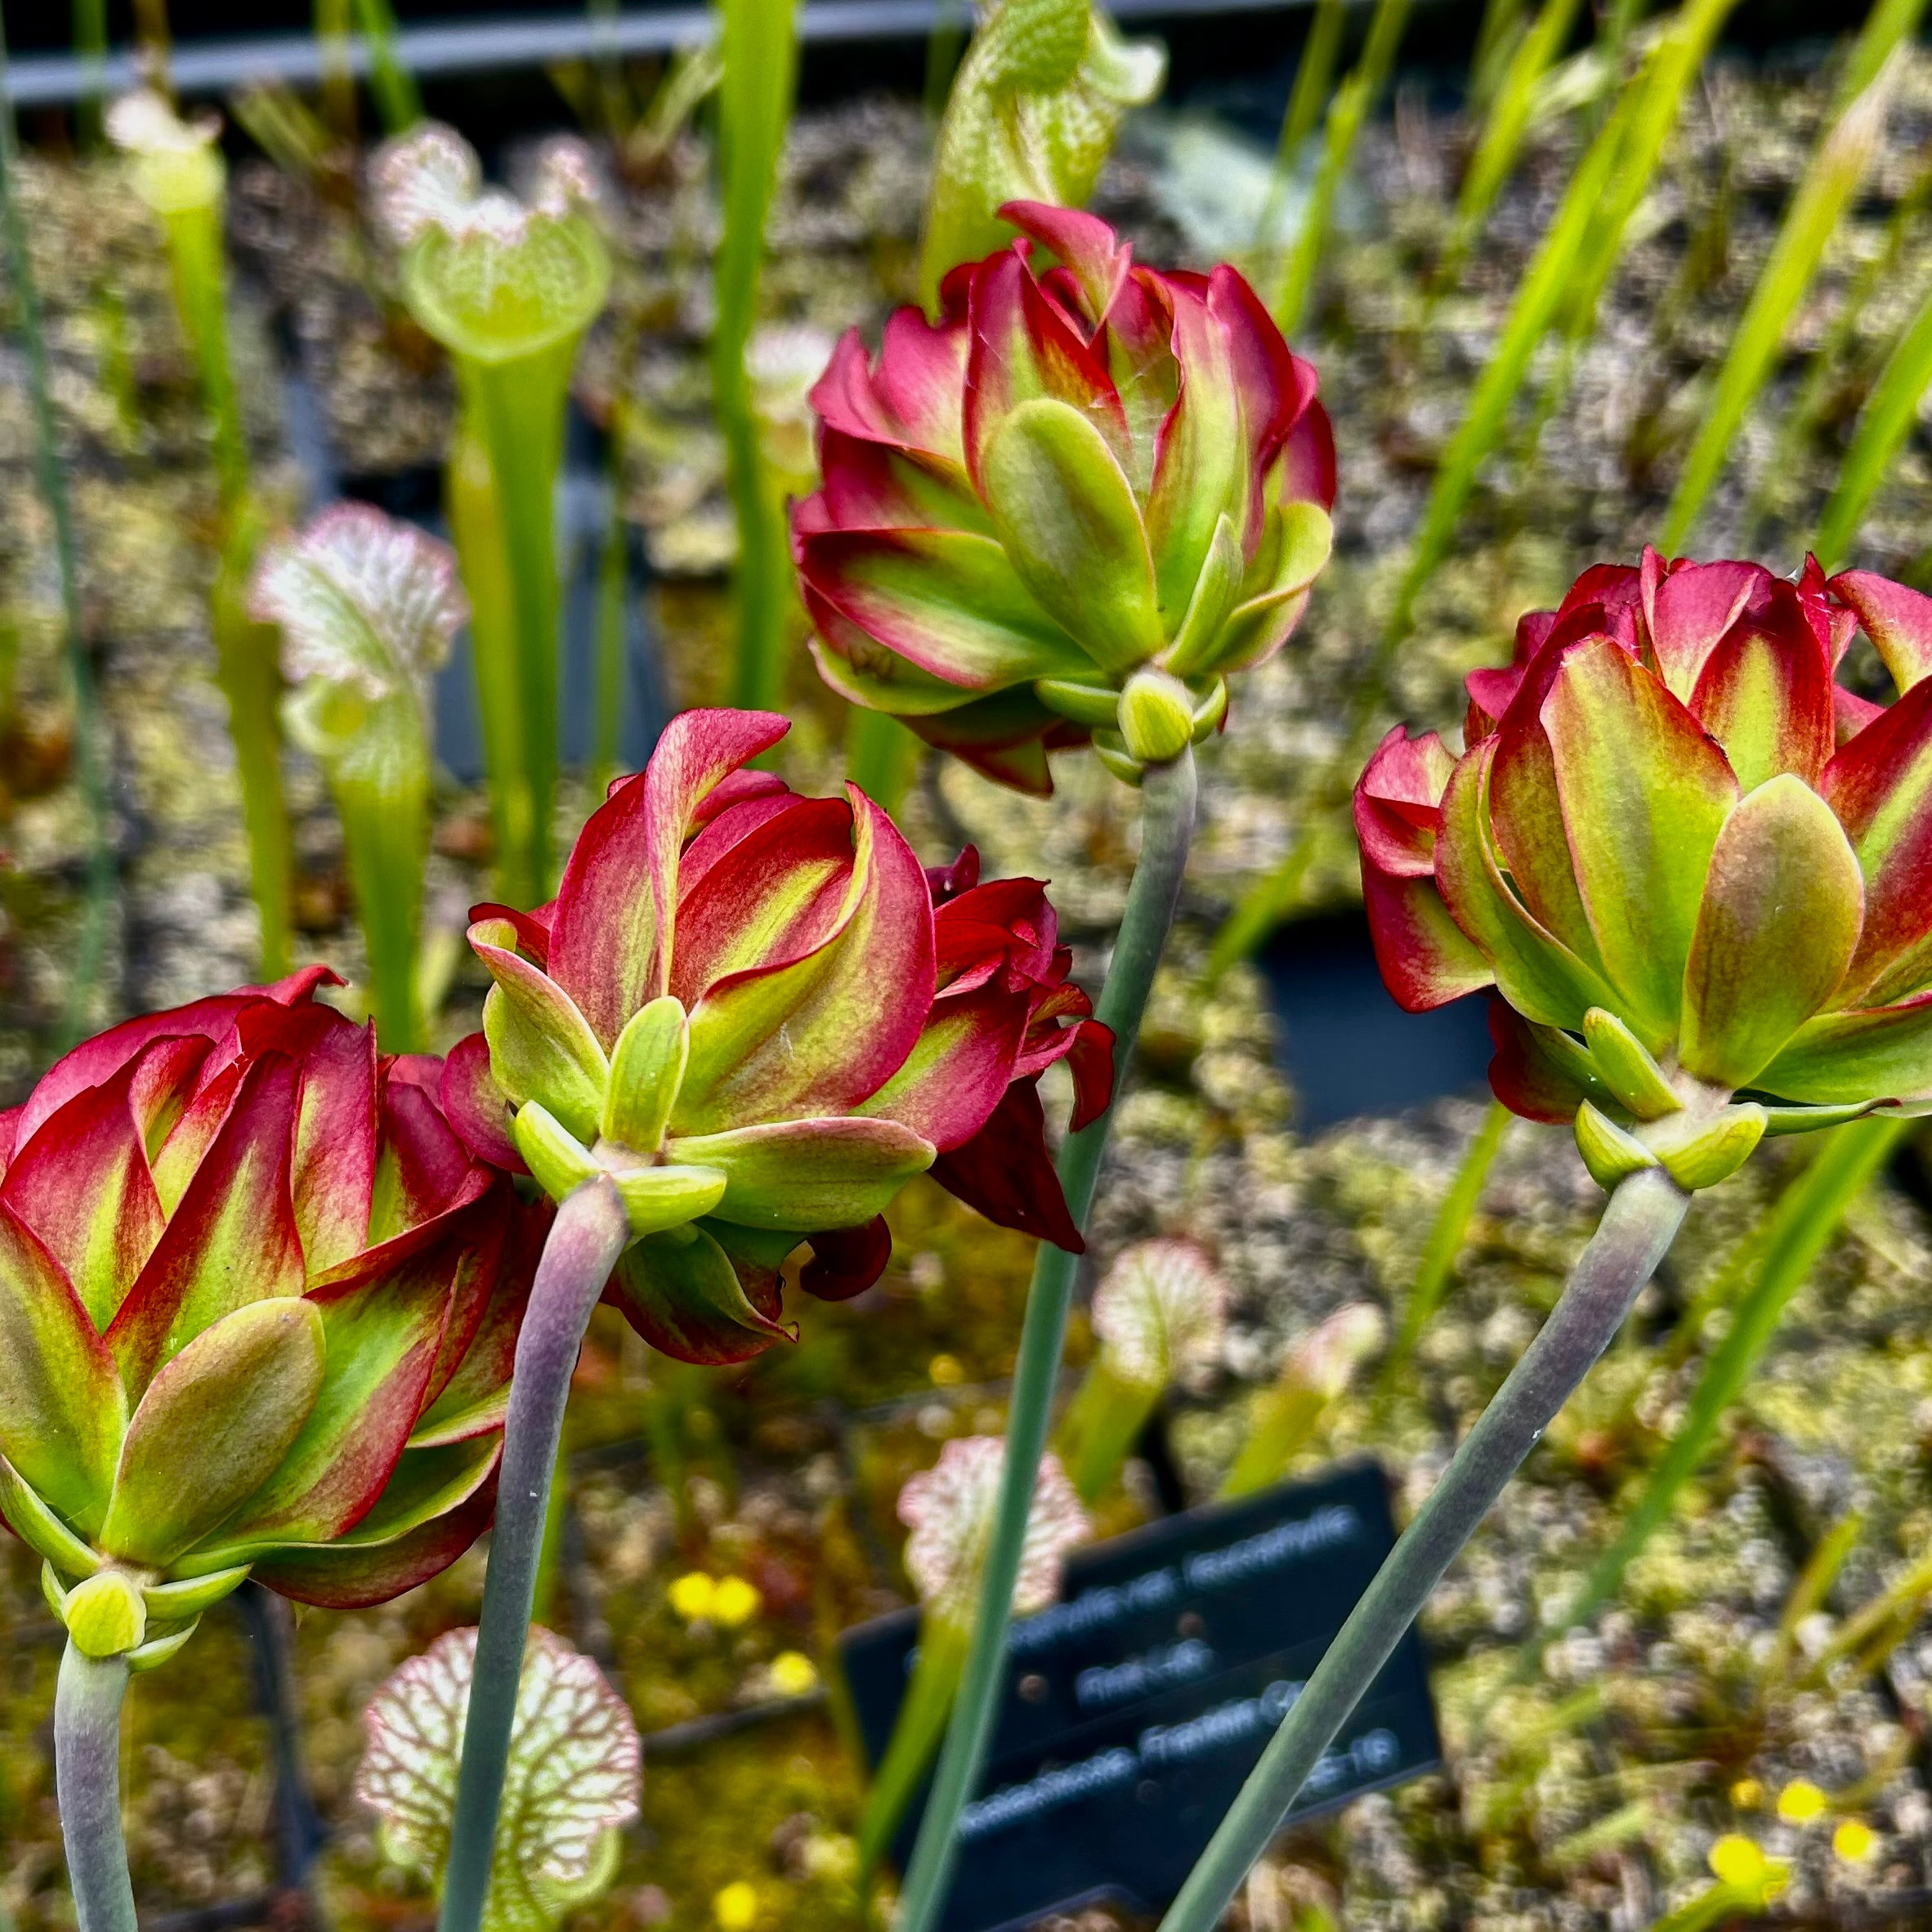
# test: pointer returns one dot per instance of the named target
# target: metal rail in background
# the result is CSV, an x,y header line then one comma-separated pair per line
x,y
524,40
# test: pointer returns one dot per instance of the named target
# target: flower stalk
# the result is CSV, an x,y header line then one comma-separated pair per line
x,y
1167,828
88,1785
1639,1222
178,172
588,1235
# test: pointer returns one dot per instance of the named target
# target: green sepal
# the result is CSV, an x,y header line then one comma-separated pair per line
x,y
183,1601
646,1070
1214,593
1210,710
541,1047
39,1528
1111,749
656,1198
157,1650
1715,1151
1610,1154
1626,1067
1090,704
558,1161
1810,1119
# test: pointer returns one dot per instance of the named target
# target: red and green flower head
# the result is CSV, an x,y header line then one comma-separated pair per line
x,y
258,1309
1068,509
760,1017
1695,869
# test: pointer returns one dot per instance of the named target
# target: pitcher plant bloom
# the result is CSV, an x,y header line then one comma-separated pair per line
x,y
1691,866
508,288
759,1017
367,607
1069,509
257,1315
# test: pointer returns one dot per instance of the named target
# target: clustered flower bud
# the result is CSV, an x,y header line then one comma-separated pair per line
x,y
1691,866
257,1310
950,1508
759,1017
1067,511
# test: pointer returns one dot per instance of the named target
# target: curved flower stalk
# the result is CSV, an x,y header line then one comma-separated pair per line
x,y
745,1022
1687,862
1068,510
1062,513
256,1317
950,1509
178,170
367,607
1691,866
1159,1315
508,288
575,1776
1032,116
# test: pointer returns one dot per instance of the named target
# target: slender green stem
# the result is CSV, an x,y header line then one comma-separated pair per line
x,y
90,757
385,816
1100,1425
1807,1215
881,756
501,484
1167,827
916,1732
607,673
90,49
760,42
88,1785
392,83
1639,1222
585,1240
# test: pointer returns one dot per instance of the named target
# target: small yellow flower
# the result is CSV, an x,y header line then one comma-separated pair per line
x,y
1854,1842
793,1674
947,1371
1801,1801
1747,1793
1736,1861
693,1597
734,1602
735,1908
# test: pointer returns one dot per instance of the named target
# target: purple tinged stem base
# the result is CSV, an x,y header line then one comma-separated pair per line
x,y
88,1785
589,1233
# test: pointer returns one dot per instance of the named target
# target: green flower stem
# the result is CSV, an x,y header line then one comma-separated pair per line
x,y
759,41
392,83
248,668
502,487
921,1723
385,815
88,1785
1167,827
1638,1224
589,1233
1787,1246
881,756
1101,1424
89,753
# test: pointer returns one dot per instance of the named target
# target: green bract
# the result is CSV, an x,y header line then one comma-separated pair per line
x,y
1693,867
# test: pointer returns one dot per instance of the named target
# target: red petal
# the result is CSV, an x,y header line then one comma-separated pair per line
x,y
1005,1173
532,929
846,1261
1897,618
948,882
476,1108
1524,1078
1098,258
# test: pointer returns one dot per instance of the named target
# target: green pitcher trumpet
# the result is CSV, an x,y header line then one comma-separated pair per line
x,y
508,288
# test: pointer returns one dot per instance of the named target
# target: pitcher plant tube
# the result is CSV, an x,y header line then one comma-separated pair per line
x,y
367,607
748,1019
508,288
178,172
258,1304
1064,513
1688,867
